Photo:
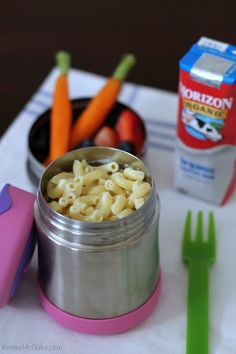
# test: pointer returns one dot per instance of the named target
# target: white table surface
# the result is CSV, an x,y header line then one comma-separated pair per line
x,y
25,327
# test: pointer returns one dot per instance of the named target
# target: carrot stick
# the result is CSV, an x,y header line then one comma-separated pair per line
x,y
61,114
99,107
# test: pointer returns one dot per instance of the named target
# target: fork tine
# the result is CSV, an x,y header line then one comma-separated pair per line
x,y
211,232
199,228
187,228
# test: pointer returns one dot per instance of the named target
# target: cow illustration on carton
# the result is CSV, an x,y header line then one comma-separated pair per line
x,y
197,126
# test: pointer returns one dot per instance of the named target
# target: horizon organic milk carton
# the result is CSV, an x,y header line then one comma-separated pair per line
x,y
205,164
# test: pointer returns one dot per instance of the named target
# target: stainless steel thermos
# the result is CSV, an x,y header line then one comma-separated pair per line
x,y
97,270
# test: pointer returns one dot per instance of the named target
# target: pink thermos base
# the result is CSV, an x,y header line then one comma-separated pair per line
x,y
102,326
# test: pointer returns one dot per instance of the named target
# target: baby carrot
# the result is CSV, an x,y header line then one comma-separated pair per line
x,y
61,114
99,107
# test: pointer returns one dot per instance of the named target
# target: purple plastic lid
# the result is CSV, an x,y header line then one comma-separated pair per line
x,y
5,199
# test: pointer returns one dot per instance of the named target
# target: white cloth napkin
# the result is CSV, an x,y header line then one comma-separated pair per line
x,y
25,327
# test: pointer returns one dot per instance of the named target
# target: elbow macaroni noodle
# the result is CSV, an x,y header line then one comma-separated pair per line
x,y
97,193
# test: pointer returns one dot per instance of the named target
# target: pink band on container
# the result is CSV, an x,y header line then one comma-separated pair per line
x,y
102,326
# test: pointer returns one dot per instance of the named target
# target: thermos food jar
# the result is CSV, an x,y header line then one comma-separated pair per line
x,y
98,277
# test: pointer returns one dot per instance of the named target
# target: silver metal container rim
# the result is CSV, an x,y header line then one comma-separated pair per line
x,y
81,233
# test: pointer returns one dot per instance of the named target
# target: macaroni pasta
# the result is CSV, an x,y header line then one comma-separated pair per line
x,y
97,193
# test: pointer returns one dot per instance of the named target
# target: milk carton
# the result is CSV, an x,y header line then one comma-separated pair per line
x,y
206,131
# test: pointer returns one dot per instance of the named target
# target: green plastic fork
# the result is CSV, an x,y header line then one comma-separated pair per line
x,y
199,254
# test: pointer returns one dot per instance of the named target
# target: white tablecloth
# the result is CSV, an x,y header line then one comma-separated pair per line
x,y
25,327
